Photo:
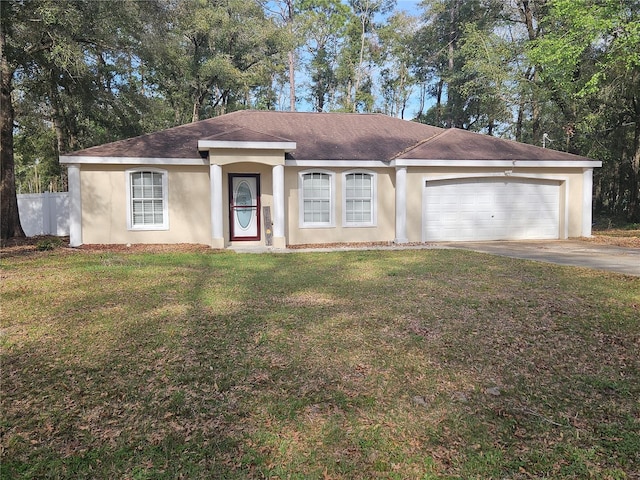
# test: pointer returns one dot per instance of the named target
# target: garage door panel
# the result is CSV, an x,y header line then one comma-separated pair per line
x,y
491,209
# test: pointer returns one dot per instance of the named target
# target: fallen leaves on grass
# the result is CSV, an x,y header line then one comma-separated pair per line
x,y
618,238
355,365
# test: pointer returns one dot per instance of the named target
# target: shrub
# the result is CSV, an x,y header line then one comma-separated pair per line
x,y
49,244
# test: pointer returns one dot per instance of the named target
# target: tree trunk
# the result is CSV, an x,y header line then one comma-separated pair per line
x,y
453,96
195,114
10,218
57,117
292,81
526,12
287,15
439,102
519,121
423,95
535,114
359,69
402,100
320,102
634,178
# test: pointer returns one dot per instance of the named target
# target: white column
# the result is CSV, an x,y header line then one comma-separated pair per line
x,y
75,205
401,205
278,214
587,201
217,224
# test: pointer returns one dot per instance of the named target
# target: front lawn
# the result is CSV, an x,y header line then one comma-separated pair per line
x,y
365,364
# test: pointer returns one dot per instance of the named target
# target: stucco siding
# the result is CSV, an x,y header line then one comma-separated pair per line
x,y
383,231
229,157
104,201
104,206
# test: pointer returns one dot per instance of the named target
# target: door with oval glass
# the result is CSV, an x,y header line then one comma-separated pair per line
x,y
244,206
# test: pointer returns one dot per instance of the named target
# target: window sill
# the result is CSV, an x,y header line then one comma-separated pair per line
x,y
308,226
150,228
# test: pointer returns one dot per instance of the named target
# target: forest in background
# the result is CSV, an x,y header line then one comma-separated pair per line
x,y
564,74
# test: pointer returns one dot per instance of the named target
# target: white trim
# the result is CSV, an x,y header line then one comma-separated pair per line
x,y
277,173
75,205
587,201
86,159
165,200
496,163
565,232
433,177
401,205
374,199
337,163
207,144
217,218
83,159
332,200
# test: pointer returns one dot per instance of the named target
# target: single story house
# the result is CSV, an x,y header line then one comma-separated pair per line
x,y
291,178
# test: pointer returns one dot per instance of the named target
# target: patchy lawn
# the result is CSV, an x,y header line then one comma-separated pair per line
x,y
363,364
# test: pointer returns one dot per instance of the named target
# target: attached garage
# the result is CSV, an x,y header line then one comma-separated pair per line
x,y
502,208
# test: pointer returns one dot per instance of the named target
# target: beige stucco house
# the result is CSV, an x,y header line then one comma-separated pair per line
x,y
287,178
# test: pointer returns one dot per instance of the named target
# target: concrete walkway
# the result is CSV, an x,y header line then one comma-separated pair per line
x,y
563,252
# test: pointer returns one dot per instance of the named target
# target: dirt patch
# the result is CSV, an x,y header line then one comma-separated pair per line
x,y
148,248
29,245
341,245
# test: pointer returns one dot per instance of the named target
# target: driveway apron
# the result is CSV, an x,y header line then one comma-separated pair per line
x,y
562,252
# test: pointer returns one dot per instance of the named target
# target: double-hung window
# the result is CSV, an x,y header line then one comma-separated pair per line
x,y
147,207
359,194
316,199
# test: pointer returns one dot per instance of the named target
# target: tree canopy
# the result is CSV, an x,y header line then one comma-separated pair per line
x,y
76,73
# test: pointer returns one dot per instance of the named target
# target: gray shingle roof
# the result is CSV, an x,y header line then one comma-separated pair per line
x,y
327,136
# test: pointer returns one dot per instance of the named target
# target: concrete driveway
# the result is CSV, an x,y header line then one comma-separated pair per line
x,y
563,252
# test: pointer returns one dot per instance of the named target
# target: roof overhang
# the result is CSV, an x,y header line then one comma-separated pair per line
x,y
85,159
496,163
337,163
244,145
79,159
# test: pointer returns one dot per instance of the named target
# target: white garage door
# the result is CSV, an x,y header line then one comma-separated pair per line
x,y
491,209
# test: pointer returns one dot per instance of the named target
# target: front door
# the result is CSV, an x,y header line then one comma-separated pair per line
x,y
244,206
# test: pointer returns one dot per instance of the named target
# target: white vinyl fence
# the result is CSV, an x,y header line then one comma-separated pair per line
x,y
44,213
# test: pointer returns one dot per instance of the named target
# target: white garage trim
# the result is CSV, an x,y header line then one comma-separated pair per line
x,y
494,207
399,162
587,195
432,177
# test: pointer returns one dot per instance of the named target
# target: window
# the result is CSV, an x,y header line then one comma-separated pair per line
x,y
316,199
147,200
359,199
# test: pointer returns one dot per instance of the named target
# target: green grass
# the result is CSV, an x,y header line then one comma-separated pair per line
x,y
417,364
